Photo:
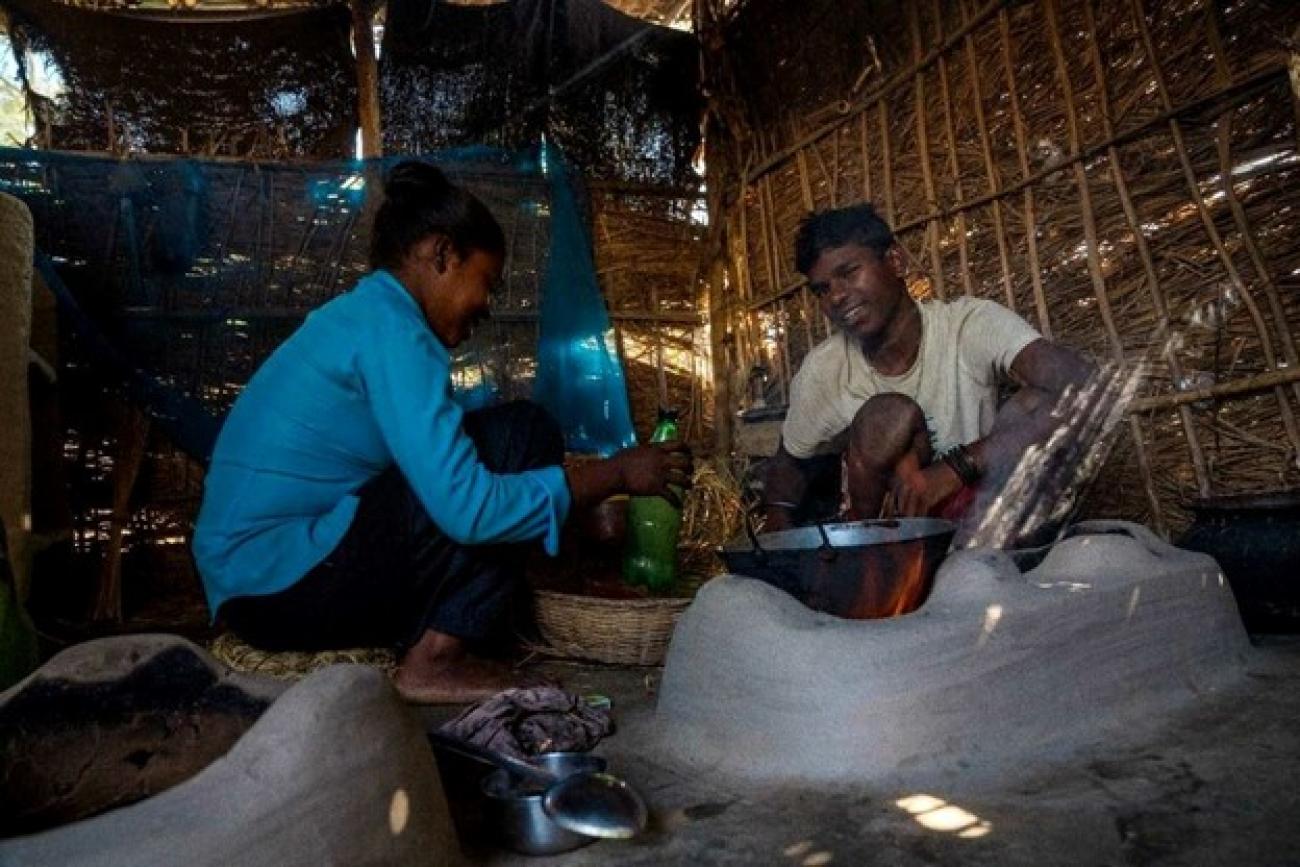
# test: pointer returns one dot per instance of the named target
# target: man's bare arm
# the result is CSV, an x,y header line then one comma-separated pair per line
x,y
1043,370
1051,367
784,485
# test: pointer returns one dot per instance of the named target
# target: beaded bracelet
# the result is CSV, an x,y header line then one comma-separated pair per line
x,y
961,462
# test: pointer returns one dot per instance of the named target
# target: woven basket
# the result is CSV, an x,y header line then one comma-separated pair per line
x,y
623,631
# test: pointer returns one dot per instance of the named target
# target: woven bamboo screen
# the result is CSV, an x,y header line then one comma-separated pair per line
x,y
1121,173
647,244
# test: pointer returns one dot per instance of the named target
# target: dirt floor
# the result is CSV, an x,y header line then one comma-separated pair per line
x,y
1216,784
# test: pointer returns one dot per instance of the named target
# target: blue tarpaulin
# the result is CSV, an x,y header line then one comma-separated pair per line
x,y
579,378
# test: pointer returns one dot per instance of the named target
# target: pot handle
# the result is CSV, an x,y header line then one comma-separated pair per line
x,y
756,547
827,550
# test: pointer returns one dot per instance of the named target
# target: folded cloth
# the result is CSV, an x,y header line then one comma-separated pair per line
x,y
527,721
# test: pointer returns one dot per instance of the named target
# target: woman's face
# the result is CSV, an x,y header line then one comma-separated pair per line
x,y
456,294
470,280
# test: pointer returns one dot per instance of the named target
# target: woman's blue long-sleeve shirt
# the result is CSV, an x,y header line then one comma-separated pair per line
x,y
364,383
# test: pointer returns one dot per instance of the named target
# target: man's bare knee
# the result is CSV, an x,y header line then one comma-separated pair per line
x,y
885,427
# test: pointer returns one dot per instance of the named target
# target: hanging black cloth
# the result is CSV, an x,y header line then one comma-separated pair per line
x,y
275,87
619,96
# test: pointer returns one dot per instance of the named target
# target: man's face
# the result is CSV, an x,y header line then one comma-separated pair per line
x,y
859,290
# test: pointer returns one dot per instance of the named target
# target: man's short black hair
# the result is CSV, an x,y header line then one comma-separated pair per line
x,y
822,230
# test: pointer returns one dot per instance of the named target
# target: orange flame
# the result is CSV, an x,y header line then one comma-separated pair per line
x,y
892,583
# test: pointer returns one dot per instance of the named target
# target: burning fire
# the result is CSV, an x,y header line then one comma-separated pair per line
x,y
893,583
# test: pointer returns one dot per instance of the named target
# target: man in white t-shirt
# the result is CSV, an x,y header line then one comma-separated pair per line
x,y
907,392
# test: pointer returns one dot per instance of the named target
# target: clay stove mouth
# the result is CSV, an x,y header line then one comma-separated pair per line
x,y
859,570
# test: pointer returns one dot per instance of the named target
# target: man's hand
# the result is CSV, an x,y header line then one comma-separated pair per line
x,y
656,470
916,491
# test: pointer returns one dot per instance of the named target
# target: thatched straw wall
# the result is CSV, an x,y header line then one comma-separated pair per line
x,y
1121,173
648,244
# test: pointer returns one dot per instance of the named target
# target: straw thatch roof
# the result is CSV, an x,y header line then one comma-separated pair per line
x,y
669,13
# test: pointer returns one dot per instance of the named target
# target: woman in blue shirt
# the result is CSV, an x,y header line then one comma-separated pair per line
x,y
350,500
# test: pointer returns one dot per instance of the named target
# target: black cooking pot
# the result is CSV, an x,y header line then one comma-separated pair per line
x,y
1256,539
860,570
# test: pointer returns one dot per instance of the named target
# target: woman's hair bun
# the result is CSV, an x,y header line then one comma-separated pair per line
x,y
413,178
419,202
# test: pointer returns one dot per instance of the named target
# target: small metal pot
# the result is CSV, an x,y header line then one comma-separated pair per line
x,y
859,570
514,813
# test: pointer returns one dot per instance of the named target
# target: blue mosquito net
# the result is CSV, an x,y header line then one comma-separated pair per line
x,y
176,277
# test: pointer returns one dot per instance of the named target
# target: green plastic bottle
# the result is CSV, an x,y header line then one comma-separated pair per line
x,y
653,525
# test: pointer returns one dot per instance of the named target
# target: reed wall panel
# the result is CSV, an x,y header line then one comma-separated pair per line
x,y
1122,174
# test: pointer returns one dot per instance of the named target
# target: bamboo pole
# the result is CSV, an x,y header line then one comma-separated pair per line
x,y
1293,88
661,377
1270,379
753,327
803,293
741,263
674,317
779,314
827,174
773,297
963,251
887,166
1207,220
745,344
718,319
1154,289
805,185
1031,221
866,157
769,260
923,154
835,171
990,168
1051,18
782,320
368,114
769,229
620,346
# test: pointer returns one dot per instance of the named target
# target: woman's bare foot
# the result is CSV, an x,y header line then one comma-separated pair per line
x,y
439,670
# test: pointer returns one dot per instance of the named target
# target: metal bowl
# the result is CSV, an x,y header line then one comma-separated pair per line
x,y
858,570
514,813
